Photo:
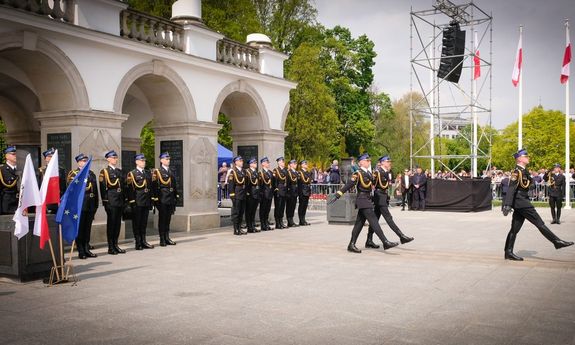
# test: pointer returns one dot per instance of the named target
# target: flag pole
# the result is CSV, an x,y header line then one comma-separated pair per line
x,y
54,259
473,112
567,139
70,259
520,124
62,258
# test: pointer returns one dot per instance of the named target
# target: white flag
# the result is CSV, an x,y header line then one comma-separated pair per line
x,y
518,63
29,196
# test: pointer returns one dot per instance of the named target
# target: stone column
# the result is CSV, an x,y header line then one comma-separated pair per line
x,y
270,143
199,158
92,133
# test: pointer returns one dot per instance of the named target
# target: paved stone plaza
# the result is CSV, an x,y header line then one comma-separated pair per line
x,y
300,286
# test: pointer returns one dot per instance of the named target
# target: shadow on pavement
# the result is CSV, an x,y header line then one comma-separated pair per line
x,y
82,277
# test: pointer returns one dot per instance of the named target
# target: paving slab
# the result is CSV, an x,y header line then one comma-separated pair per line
x,y
300,286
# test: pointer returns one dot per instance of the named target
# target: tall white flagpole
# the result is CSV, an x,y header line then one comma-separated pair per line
x,y
567,123
432,106
473,111
520,124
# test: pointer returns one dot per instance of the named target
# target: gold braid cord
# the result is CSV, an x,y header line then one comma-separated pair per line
x,y
162,181
278,174
268,182
254,183
551,179
521,183
132,179
108,182
306,181
381,185
236,178
291,176
11,185
362,182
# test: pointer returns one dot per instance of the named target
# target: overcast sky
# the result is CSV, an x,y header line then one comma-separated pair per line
x,y
386,23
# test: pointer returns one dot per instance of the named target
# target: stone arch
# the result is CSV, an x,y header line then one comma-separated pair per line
x,y
242,87
285,115
159,69
24,44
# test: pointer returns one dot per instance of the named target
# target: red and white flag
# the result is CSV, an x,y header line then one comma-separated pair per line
x,y
476,60
518,62
49,194
29,196
566,60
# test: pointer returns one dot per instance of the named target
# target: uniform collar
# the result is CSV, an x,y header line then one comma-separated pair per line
x,y
111,166
364,169
139,169
11,166
165,167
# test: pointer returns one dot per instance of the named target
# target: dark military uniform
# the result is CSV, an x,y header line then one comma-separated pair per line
x,y
304,190
266,196
112,193
252,198
165,197
555,192
418,194
89,208
363,181
291,196
138,187
383,179
237,192
8,189
280,192
518,198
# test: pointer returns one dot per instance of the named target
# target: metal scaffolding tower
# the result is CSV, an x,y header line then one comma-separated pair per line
x,y
446,107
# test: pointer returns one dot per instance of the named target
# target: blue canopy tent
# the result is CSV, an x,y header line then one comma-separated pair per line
x,y
224,155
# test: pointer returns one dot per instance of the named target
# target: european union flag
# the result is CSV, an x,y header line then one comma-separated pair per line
x,y
70,208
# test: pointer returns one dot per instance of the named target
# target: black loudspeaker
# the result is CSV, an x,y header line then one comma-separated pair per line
x,y
452,53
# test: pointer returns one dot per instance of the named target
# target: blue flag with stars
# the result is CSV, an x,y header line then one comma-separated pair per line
x,y
71,203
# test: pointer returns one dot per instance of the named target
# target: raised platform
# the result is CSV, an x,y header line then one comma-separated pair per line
x,y
469,195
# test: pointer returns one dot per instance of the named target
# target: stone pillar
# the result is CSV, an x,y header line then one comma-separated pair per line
x,y
92,133
270,143
199,158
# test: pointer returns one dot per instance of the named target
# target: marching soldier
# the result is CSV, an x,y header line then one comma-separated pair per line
x,y
304,189
252,195
165,197
9,182
363,182
48,154
237,192
292,192
280,190
89,207
556,191
383,177
112,193
517,198
139,184
266,193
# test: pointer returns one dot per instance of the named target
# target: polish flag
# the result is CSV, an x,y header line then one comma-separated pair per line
x,y
476,60
49,194
566,61
518,62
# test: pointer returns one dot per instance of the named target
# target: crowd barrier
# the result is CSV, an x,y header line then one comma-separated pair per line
x,y
537,193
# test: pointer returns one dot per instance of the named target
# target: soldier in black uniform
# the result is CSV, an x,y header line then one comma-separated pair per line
x,y
383,177
48,154
139,192
304,190
252,195
363,182
292,192
112,193
89,207
165,197
517,198
266,193
9,182
237,192
555,191
280,192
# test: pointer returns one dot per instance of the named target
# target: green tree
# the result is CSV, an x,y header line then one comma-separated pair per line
x,y
148,144
224,134
312,121
543,137
234,19
159,8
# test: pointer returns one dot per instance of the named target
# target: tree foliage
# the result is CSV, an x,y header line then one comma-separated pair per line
x,y
159,8
224,134
148,144
234,19
312,121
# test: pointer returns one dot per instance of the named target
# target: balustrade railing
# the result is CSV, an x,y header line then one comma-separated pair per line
x,y
237,54
156,31
62,10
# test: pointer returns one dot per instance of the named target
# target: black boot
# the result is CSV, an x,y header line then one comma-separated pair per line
x,y
162,239
279,224
387,244
291,223
89,254
118,249
112,249
352,248
81,251
138,241
169,241
145,243
405,239
558,215
509,243
562,244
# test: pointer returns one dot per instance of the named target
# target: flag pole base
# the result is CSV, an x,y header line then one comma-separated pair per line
x,y
70,276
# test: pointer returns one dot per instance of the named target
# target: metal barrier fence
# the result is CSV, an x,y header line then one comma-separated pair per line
x,y
537,193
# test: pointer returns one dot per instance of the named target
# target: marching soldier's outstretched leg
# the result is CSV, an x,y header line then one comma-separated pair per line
x,y
374,224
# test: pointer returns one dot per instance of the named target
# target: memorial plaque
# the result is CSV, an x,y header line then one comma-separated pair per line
x,y
63,143
128,163
176,150
248,152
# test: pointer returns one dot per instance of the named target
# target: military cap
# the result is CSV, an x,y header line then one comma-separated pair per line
x,y
557,165
238,158
164,155
303,161
48,152
10,149
265,159
293,161
110,153
385,158
140,156
364,156
80,157
280,159
521,152
252,160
